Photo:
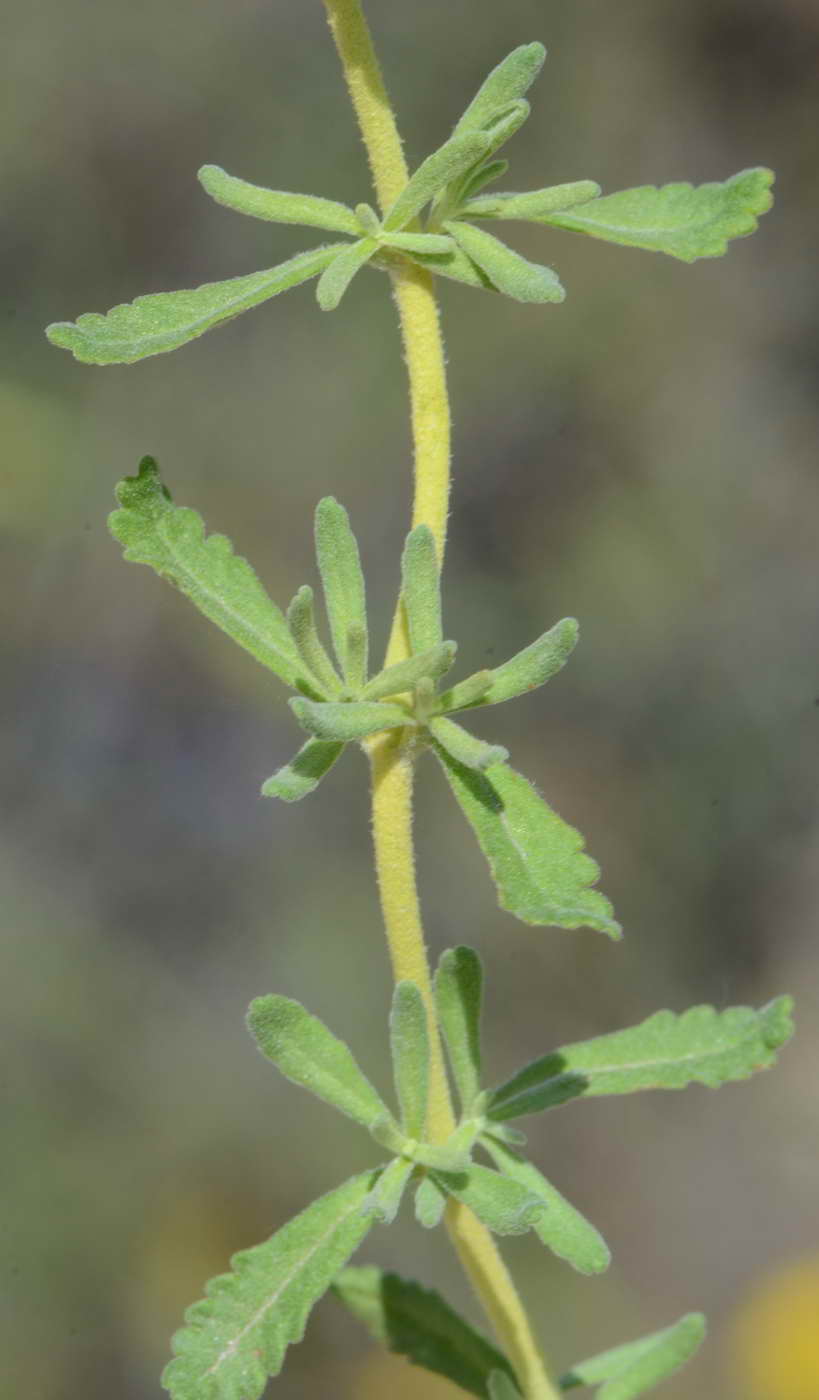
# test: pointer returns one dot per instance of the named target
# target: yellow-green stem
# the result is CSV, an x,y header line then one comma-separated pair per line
x,y
392,763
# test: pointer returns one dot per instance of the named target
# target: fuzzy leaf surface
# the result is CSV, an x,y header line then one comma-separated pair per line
x,y
542,873
508,272
523,672
685,221
276,206
430,1204
236,1337
337,276
463,747
459,999
702,1046
301,621
417,1323
409,1043
303,773
456,266
561,1228
385,1198
346,721
405,675
630,1370
504,1206
504,125
221,584
507,82
342,579
421,589
307,1053
162,321
441,168
483,176
420,242
533,204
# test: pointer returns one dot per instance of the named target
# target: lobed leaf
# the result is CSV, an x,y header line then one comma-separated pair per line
x,y
510,80
444,165
307,1053
385,1198
343,581
508,272
337,276
301,621
561,1227
409,1043
346,721
421,589
236,1337
417,1323
162,321
630,1370
463,747
303,773
221,584
275,205
532,205
529,669
430,1203
702,1046
405,675
685,221
458,987
537,860
504,1206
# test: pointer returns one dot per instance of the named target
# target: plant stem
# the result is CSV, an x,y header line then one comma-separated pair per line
x,y
392,763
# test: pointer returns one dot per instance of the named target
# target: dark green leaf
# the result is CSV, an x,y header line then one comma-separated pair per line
x,y
458,997
303,773
561,1228
421,589
503,1205
440,169
508,81
529,669
346,722
405,675
508,272
302,623
409,1042
337,276
463,747
275,205
630,1370
342,579
533,205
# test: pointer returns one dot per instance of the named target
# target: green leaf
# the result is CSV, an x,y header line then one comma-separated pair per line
x,y
503,1205
337,276
385,1198
221,584
302,623
458,998
343,582
162,321
387,1134
504,125
303,773
306,1052
561,1228
502,1388
236,1337
537,860
421,589
630,1370
685,221
508,272
508,81
483,176
529,669
463,747
452,1155
274,205
419,242
346,721
702,1046
444,165
417,1323
409,1042
405,675
430,1203
467,693
532,205
457,267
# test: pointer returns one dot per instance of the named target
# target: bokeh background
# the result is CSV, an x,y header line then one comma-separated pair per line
x,y
643,457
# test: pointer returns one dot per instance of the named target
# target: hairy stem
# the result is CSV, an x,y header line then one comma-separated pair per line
x,y
392,763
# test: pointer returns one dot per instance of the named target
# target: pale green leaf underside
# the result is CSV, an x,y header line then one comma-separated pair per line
x,y
384,1201
508,272
277,206
630,1370
236,1337
342,579
463,747
537,860
162,321
459,997
337,276
531,205
525,671
222,585
504,1206
667,1051
306,1052
301,620
409,1043
346,722
417,1323
506,83
303,773
430,1203
439,169
421,589
561,1227
683,220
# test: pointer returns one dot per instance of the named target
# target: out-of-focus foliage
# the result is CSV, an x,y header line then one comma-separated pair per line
x,y
642,458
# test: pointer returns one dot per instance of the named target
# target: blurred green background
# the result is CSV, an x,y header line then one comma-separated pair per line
x,y
643,457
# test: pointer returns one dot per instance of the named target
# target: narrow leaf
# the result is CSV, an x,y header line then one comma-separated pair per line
x,y
220,583
630,1370
529,669
537,860
504,125
409,1042
685,221
341,576
162,321
345,722
236,1337
457,267
275,205
440,169
483,176
503,1205
420,242
421,589
417,1323
508,272
533,205
459,998
468,692
508,81
302,623
306,1052
454,1154
702,1046
430,1203
405,675
463,747
337,276
501,1387
303,773
385,1198
561,1228
387,1134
